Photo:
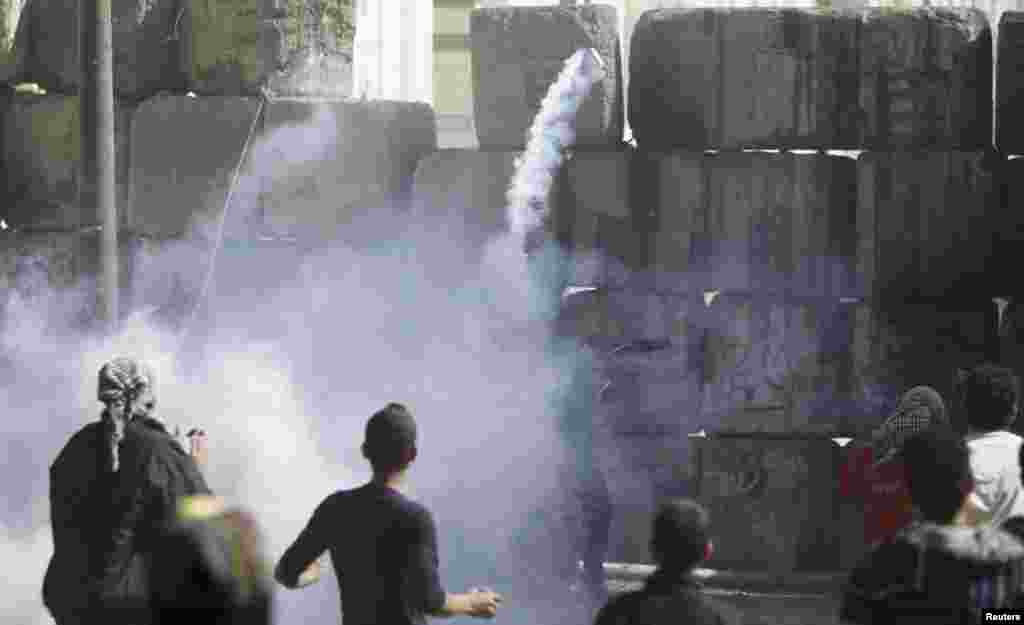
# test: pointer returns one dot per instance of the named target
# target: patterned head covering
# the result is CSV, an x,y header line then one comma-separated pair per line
x,y
920,408
124,378
121,379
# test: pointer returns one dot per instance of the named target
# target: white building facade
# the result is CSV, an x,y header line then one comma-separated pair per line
x,y
393,50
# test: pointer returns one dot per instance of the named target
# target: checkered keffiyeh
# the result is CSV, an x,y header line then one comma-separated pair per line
x,y
121,379
920,408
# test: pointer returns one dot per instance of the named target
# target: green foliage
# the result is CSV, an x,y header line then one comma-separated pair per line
x,y
337,24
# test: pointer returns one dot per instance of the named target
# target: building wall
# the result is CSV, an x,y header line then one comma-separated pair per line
x,y
394,50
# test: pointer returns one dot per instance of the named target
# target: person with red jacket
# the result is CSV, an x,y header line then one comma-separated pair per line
x,y
873,472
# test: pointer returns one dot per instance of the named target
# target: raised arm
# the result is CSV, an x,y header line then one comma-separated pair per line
x,y
298,566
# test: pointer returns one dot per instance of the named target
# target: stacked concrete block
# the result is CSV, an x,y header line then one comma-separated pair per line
x,y
53,276
773,501
774,364
1009,90
726,79
1011,341
749,221
231,47
41,151
1009,225
341,168
926,79
899,345
184,154
925,224
462,194
595,218
144,46
518,52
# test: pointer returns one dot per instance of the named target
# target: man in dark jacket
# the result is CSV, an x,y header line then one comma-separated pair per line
x,y
82,479
111,486
156,473
679,542
942,570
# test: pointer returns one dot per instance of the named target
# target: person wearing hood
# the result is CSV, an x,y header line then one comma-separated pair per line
x,y
873,473
991,398
148,471
941,569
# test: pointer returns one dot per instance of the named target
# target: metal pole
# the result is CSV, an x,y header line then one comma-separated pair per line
x,y
97,190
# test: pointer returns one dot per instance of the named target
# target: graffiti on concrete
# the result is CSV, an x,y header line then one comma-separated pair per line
x,y
750,472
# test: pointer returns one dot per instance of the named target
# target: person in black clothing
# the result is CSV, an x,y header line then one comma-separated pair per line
x,y
382,544
679,542
82,479
208,568
946,569
148,471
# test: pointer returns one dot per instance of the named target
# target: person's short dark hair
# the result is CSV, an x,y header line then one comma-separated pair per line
x,y
390,436
680,534
990,396
938,471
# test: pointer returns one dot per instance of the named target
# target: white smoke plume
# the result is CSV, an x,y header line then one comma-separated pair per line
x,y
296,349
551,133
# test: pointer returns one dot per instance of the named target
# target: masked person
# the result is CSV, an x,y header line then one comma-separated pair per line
x,y
875,474
148,471
81,483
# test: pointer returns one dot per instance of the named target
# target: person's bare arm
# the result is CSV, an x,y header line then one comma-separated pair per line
x,y
476,603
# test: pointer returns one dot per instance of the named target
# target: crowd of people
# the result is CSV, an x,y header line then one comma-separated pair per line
x,y
140,539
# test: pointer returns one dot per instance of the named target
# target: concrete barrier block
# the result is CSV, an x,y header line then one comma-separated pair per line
x,y
773,503
145,54
41,150
926,79
1009,88
463,192
743,78
750,222
341,168
774,364
899,345
518,52
597,217
231,47
925,224
184,154
1008,252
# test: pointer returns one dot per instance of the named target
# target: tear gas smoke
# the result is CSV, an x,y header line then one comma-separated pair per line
x,y
551,133
286,375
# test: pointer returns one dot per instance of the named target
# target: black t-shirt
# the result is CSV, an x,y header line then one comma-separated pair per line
x,y
384,549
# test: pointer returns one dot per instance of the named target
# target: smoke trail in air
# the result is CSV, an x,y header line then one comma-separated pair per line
x,y
552,131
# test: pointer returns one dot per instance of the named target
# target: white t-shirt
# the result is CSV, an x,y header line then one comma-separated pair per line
x,y
995,463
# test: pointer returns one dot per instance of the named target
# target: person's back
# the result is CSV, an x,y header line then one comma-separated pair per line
x,y
672,595
383,545
991,398
79,499
372,554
